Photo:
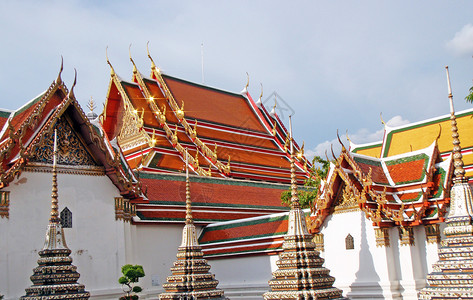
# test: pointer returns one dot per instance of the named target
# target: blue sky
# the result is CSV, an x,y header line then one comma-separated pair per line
x,y
337,64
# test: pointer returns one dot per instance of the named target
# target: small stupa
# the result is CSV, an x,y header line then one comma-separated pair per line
x,y
55,277
190,277
300,274
452,275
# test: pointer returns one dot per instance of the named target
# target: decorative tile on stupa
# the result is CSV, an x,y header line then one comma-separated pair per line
x,y
300,273
452,275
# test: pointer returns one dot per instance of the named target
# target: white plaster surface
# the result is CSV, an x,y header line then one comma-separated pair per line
x,y
97,241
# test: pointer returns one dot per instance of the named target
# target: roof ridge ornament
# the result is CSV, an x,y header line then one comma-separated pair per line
x,y
59,79
112,71
71,92
259,102
153,65
135,70
340,141
245,89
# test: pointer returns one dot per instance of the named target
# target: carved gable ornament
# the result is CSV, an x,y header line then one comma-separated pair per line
x,y
71,150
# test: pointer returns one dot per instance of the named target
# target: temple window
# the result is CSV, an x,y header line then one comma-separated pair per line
x,y
349,242
66,218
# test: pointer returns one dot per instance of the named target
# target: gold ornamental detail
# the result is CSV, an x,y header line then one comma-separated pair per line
x,y
71,150
406,236
4,204
132,133
432,232
347,202
382,237
319,242
124,210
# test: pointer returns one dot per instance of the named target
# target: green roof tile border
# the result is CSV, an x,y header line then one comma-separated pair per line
x,y
245,223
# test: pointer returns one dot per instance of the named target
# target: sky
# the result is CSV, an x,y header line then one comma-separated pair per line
x,y
336,65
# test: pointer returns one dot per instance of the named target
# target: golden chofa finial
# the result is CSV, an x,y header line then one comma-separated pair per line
x,y
381,117
153,65
135,70
260,101
112,71
245,89
180,112
340,141
59,79
71,92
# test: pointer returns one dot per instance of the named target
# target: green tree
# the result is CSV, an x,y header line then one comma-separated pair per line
x,y
131,275
469,98
308,193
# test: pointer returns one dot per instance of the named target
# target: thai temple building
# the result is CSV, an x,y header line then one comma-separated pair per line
x,y
125,197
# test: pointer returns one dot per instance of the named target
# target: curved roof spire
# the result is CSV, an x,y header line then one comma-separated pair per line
x,y
135,70
153,65
71,92
457,155
259,102
59,79
245,89
112,71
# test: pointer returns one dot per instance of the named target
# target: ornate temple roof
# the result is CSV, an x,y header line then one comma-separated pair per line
x,y
215,199
407,189
419,135
255,235
26,141
227,134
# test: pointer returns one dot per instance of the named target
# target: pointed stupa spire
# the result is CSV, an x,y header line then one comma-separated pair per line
x,y
300,274
55,277
190,277
451,276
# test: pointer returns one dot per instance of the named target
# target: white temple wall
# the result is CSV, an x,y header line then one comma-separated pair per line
x,y
155,248
96,239
244,277
368,271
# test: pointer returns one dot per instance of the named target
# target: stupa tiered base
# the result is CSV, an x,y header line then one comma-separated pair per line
x,y
190,277
55,277
300,273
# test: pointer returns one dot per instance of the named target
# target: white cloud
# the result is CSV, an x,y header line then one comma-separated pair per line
x,y
462,42
362,136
